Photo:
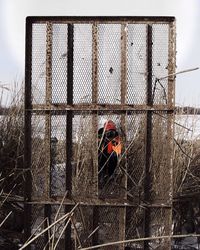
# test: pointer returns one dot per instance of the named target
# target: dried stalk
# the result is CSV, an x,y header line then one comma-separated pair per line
x,y
76,231
36,229
177,73
5,219
63,230
141,239
93,232
63,218
57,213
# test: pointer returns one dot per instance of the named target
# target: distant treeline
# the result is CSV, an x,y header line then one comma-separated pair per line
x,y
187,110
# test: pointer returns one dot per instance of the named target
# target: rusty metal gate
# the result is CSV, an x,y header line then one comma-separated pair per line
x,y
80,73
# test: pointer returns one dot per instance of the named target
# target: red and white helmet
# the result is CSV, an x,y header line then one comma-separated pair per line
x,y
109,125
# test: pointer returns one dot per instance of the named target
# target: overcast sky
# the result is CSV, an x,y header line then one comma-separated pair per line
x,y
187,13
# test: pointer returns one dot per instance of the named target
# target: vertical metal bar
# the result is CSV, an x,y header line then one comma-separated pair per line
x,y
123,63
95,125
94,63
94,101
47,214
170,130
169,176
69,152
49,33
95,225
122,211
70,69
149,65
147,180
124,94
47,166
171,64
47,169
27,132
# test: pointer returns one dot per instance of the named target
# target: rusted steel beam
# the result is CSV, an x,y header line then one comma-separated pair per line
x,y
104,19
48,101
147,180
98,202
100,107
47,215
27,133
49,40
124,35
70,56
171,64
49,44
94,102
94,63
169,175
69,122
123,194
95,218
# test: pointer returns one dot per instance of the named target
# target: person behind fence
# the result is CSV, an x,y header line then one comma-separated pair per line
x,y
109,151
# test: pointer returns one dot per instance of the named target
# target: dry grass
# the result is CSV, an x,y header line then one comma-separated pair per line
x,y
11,172
186,163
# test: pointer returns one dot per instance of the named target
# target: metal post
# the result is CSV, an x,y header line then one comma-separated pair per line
x,y
94,102
47,170
95,125
49,33
47,215
70,59
27,133
147,181
123,195
171,64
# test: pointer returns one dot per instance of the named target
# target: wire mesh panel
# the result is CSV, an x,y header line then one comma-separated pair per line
x,y
109,62
136,63
160,174
58,156
59,63
82,63
83,178
136,125
38,223
98,130
39,157
38,63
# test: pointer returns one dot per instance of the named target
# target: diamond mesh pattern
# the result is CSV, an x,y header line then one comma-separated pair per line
x,y
108,226
84,184
109,63
160,171
37,217
135,154
160,225
82,226
38,155
57,231
58,155
39,63
59,63
136,63
134,226
82,63
160,62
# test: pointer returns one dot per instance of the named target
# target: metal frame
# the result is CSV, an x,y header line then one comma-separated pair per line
x,y
69,108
